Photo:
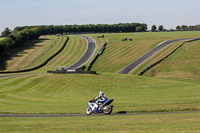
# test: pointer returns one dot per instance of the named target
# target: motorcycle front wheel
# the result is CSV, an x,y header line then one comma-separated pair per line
x,y
88,111
107,109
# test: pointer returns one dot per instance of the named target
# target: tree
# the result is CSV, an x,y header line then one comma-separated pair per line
x,y
178,28
191,27
6,32
153,28
160,28
184,27
139,29
144,27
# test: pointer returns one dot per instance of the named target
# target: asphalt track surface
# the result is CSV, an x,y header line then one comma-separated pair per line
x,y
130,67
82,115
10,75
91,47
88,54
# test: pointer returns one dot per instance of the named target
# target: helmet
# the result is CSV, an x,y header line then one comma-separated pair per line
x,y
101,93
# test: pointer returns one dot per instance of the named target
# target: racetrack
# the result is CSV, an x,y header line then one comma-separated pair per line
x,y
87,55
79,115
130,67
68,115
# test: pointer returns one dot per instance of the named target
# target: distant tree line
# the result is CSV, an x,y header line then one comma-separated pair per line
x,y
20,35
16,38
178,28
187,28
90,28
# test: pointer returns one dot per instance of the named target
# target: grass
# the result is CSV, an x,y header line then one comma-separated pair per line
x,y
184,63
119,53
42,50
167,123
74,49
156,57
34,53
69,94
1,38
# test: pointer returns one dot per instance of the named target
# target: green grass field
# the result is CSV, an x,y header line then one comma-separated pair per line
x,y
184,63
69,94
74,49
162,53
174,87
167,123
42,50
1,38
34,53
119,53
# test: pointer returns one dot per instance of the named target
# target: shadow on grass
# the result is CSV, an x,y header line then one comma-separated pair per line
x,y
121,112
18,52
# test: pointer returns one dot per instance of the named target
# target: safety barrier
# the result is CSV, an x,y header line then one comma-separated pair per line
x,y
71,72
43,64
100,53
152,65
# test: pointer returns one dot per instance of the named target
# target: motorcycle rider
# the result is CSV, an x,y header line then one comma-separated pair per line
x,y
103,98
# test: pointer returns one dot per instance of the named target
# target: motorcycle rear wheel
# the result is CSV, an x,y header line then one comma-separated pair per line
x,y
88,111
107,109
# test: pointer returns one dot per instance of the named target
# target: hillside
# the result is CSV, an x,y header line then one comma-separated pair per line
x,y
171,87
69,93
50,93
184,63
119,53
36,52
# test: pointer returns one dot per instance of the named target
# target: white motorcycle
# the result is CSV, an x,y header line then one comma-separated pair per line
x,y
105,107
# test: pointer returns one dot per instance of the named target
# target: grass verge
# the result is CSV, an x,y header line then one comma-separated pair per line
x,y
69,94
176,123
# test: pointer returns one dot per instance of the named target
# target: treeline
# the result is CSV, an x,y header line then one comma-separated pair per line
x,y
187,28
90,28
18,37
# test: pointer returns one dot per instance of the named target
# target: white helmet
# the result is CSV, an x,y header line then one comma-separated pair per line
x,y
101,93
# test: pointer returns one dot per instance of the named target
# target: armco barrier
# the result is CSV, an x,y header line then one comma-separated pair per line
x,y
43,64
152,65
100,53
72,72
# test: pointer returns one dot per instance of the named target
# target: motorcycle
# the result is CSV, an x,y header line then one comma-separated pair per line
x,y
105,107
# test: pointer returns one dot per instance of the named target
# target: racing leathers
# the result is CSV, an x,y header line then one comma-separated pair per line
x,y
102,97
